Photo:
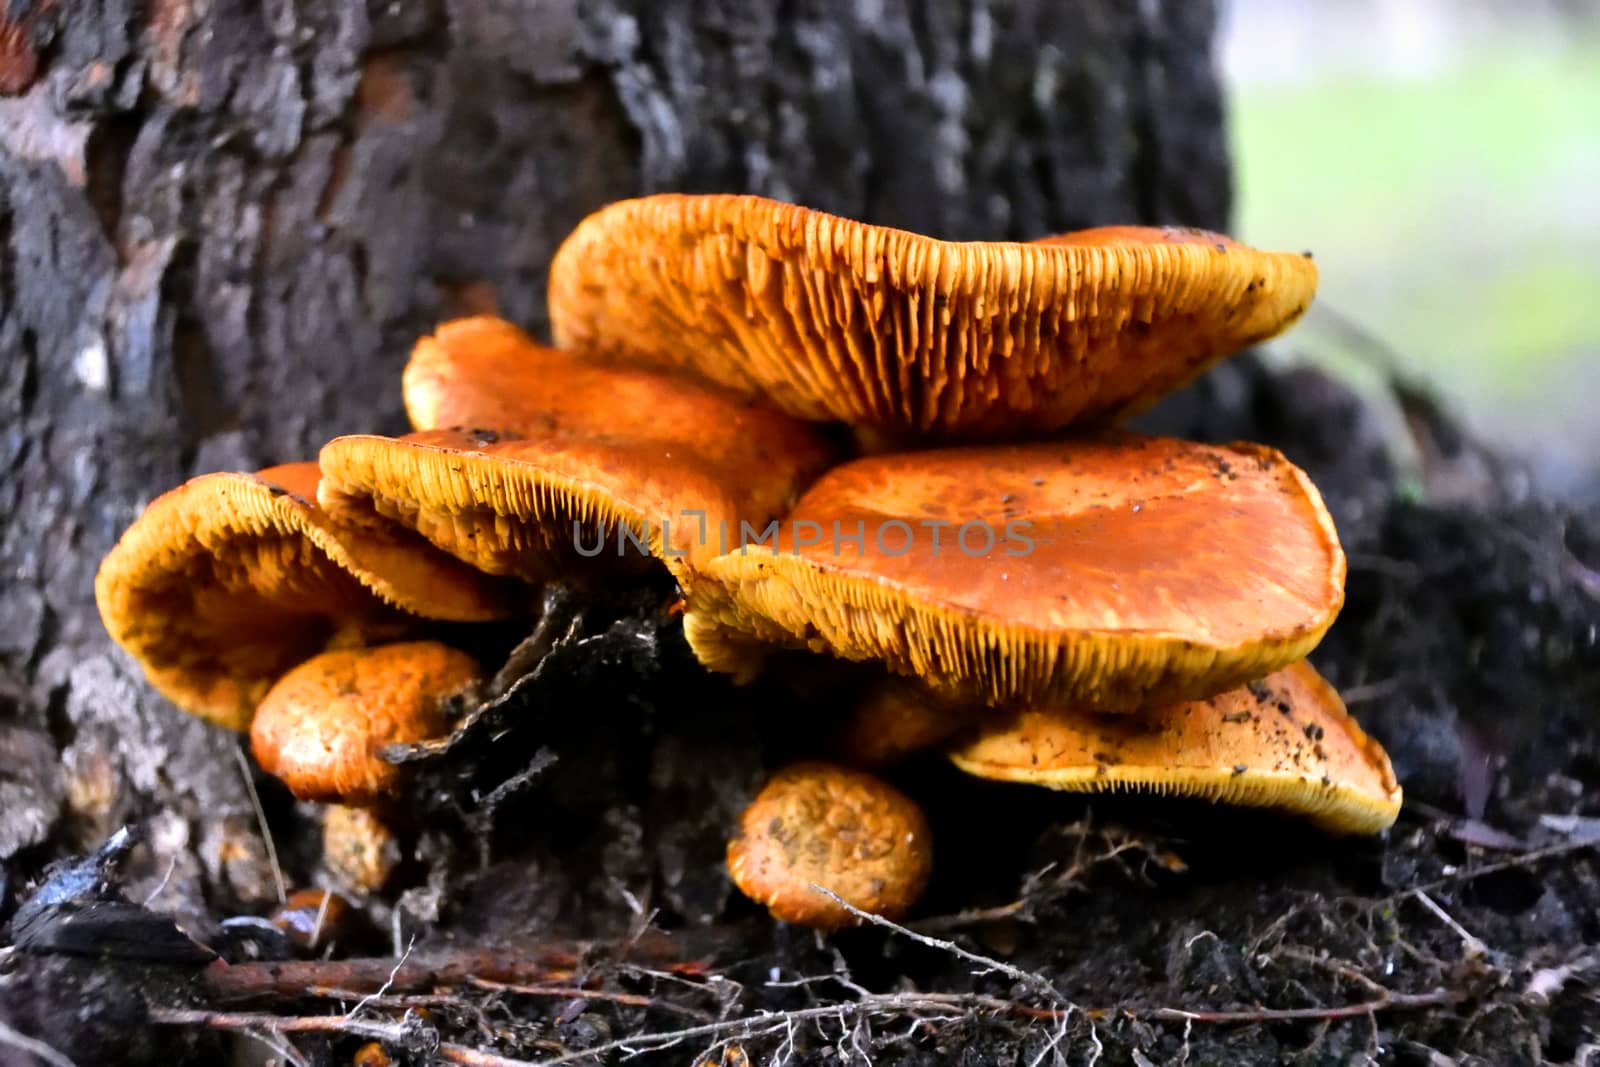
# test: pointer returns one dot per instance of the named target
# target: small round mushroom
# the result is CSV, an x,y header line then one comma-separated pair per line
x,y
828,318
226,582
321,728
1112,573
372,1054
313,918
1284,742
843,829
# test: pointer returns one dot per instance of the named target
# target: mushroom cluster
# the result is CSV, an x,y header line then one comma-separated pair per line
x,y
915,465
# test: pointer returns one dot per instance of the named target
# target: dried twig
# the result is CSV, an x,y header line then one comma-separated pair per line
x,y
1473,944
1038,889
632,1000
400,961
1037,982
261,822
1526,859
1548,981
10,1038
548,962
251,1022
766,1023
1387,1001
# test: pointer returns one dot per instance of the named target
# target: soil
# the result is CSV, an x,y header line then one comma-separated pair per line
x,y
569,839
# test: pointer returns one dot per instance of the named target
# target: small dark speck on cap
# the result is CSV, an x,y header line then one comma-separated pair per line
x,y
1221,247
1238,769
1307,254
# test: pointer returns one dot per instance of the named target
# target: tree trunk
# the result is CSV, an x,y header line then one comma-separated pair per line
x,y
221,226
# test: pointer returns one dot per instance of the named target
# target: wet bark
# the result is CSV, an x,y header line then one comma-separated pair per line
x,y
221,225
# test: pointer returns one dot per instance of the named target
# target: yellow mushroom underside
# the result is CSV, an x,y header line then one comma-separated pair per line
x,y
530,462
1155,571
1284,742
531,508
226,582
828,318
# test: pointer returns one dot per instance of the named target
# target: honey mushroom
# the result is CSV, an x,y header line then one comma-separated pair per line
x,y
223,584
1130,595
312,919
1112,573
322,728
531,463
817,824
1284,742
829,318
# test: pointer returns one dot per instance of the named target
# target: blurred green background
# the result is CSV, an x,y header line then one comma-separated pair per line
x,y
1442,160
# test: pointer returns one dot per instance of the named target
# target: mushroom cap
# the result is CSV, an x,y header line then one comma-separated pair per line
x,y
521,445
321,728
1113,573
843,829
483,373
402,568
1284,742
514,505
227,581
313,918
827,318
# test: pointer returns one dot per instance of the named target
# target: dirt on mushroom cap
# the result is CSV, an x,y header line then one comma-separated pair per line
x,y
1285,741
1113,573
828,318
842,829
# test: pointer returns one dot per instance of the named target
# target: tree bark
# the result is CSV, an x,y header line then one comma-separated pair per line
x,y
221,226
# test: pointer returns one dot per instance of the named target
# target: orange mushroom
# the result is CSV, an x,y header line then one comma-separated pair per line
x,y
563,457
1113,574
226,582
484,373
321,728
828,318
842,829
321,731
313,919
1284,742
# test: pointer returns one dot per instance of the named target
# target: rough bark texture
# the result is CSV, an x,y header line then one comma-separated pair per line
x,y
221,226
